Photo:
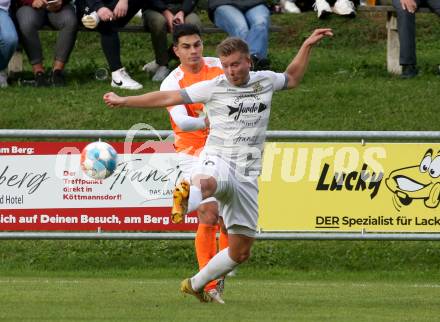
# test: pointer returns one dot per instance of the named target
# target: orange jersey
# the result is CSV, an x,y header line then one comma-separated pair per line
x,y
191,142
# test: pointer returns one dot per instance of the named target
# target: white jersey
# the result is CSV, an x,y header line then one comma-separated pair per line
x,y
238,117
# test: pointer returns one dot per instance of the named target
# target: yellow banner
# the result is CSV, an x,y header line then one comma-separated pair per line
x,y
389,187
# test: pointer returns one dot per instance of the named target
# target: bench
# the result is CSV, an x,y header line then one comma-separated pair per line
x,y
393,43
16,63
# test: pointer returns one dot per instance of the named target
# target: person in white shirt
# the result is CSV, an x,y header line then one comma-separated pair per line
x,y
238,104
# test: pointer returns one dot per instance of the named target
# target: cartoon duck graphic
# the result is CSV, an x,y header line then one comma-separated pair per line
x,y
420,181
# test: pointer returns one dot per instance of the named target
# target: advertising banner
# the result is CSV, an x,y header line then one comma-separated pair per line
x,y
42,187
319,187
330,187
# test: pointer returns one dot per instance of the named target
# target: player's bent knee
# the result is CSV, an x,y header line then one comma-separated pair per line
x,y
245,256
208,212
207,217
241,257
208,187
204,181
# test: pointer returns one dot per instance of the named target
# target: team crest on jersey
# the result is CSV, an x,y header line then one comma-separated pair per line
x,y
257,87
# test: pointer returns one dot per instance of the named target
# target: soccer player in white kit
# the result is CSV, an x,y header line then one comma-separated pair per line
x,y
190,132
238,104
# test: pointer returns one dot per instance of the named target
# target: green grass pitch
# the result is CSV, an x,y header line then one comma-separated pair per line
x,y
251,296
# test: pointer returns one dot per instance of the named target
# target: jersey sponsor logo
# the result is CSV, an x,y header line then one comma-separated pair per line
x,y
243,109
246,139
252,123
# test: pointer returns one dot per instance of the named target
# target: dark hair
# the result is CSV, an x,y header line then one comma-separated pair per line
x,y
231,45
185,29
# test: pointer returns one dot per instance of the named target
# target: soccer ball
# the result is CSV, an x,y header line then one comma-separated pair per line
x,y
98,160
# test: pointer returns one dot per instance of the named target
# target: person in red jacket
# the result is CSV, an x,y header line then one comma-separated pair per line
x,y
32,15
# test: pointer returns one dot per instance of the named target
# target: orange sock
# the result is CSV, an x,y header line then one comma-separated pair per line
x,y
223,241
206,247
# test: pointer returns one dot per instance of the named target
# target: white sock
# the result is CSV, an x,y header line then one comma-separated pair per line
x,y
219,265
195,198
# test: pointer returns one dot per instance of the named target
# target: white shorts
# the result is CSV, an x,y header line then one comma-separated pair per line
x,y
238,195
186,164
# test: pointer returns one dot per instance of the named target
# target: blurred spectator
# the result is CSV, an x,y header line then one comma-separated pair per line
x,y
289,6
107,16
32,15
340,7
406,25
159,18
8,41
247,19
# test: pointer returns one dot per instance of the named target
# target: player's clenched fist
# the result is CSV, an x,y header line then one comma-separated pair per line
x,y
113,100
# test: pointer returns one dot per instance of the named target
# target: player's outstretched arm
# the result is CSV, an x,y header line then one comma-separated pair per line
x,y
150,100
296,69
187,123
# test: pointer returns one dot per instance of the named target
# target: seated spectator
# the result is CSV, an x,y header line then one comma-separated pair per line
x,y
340,7
32,15
159,18
107,16
248,20
406,25
289,6
8,41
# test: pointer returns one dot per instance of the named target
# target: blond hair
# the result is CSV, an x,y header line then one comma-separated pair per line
x,y
231,45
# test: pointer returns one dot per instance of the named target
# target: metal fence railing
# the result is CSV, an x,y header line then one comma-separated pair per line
x,y
357,135
190,236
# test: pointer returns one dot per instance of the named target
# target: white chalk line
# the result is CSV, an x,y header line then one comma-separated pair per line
x,y
263,283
